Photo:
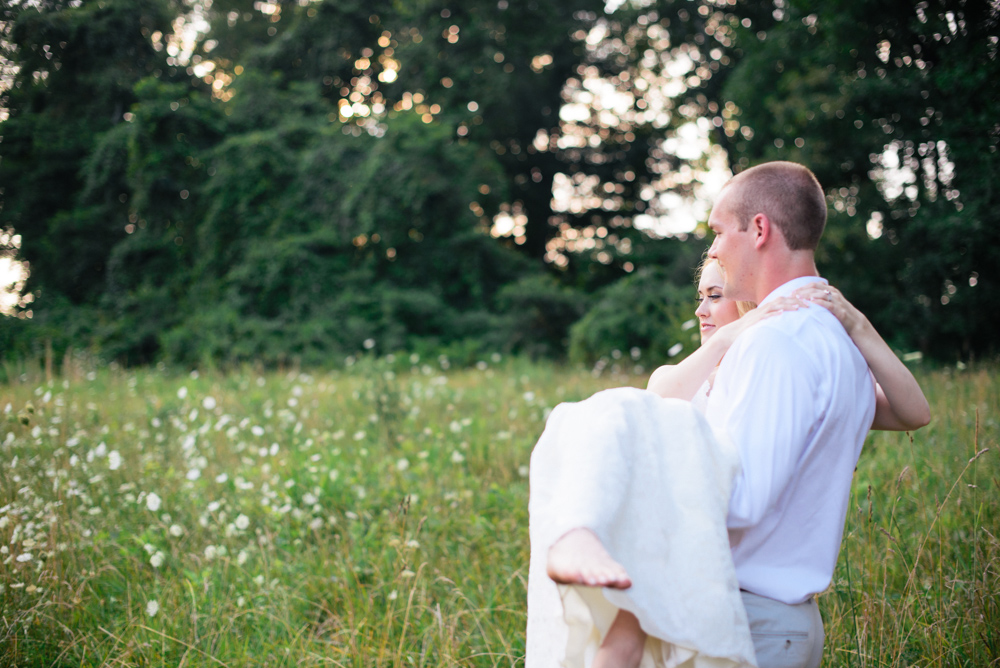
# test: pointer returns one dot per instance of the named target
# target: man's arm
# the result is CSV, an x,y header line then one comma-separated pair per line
x,y
769,411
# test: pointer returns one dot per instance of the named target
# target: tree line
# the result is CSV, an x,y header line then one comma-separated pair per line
x,y
235,180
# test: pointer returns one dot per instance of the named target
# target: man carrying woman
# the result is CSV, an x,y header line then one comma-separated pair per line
x,y
680,541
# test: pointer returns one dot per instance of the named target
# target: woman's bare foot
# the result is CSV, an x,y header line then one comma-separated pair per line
x,y
580,558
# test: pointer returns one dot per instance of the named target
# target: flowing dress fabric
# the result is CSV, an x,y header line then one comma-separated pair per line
x,y
648,476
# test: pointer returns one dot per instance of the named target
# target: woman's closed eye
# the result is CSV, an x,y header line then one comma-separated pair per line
x,y
713,298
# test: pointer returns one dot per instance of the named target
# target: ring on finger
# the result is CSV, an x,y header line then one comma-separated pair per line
x,y
828,295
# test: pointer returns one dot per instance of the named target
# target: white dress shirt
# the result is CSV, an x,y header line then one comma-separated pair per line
x,y
796,398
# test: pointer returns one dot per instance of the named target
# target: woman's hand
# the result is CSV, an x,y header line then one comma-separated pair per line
x,y
772,308
833,301
899,402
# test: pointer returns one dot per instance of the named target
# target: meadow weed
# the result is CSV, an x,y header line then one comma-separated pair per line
x,y
377,516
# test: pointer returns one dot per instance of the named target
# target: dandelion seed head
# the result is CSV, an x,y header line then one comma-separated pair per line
x,y
176,530
156,560
153,501
114,460
209,403
152,607
402,464
457,457
182,393
242,522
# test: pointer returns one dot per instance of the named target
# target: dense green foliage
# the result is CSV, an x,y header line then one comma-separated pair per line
x,y
377,516
304,180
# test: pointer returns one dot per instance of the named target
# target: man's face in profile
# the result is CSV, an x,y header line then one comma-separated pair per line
x,y
733,248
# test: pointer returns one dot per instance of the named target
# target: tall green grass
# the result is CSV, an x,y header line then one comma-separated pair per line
x,y
377,516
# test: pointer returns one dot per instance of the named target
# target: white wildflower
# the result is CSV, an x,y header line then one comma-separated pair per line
x,y
242,522
211,552
153,501
182,393
156,560
242,557
176,530
402,464
358,435
221,478
193,474
393,595
457,457
522,471
208,403
152,607
24,556
257,430
114,460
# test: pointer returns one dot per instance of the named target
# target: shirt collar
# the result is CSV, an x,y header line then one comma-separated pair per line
x,y
791,286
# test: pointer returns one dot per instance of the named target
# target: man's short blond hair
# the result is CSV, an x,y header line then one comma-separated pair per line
x,y
788,194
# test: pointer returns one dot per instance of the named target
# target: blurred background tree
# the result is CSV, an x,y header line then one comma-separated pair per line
x,y
236,180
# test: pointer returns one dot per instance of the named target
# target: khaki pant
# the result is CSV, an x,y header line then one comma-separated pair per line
x,y
785,636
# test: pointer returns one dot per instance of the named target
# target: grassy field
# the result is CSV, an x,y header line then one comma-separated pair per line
x,y
377,516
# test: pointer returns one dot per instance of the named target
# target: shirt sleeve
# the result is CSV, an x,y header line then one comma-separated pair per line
x,y
769,412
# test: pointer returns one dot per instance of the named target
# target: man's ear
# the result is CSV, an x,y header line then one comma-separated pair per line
x,y
762,229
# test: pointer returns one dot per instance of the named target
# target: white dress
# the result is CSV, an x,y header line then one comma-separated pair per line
x,y
649,477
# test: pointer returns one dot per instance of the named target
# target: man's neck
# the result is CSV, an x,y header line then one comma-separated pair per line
x,y
787,267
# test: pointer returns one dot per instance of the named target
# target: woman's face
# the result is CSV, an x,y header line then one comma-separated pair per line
x,y
713,310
